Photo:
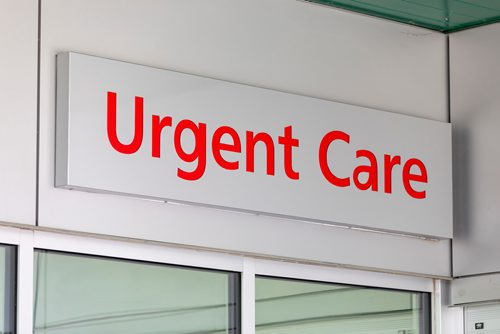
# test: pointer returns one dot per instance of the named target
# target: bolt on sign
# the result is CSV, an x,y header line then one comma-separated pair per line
x,y
140,131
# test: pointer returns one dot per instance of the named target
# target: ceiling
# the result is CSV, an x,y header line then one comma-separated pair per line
x,y
442,15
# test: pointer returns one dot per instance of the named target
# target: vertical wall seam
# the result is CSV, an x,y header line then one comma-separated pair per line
x,y
37,177
448,77
448,96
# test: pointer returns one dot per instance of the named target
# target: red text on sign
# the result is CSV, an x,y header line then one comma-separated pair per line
x,y
198,155
408,177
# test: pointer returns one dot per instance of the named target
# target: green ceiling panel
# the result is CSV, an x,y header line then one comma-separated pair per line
x,y
441,15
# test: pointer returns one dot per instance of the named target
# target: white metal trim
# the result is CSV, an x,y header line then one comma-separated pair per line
x,y
10,236
436,305
475,289
220,261
25,279
215,260
342,275
451,317
248,297
137,251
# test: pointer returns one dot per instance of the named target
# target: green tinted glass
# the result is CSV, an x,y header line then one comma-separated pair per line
x,y
84,294
7,289
291,307
440,15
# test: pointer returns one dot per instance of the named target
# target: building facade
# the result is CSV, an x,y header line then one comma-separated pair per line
x,y
91,262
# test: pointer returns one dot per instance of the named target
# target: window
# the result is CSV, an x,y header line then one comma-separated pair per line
x,y
88,294
7,289
293,307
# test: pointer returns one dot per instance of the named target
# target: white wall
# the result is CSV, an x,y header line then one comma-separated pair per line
x,y
475,115
447,319
286,45
18,110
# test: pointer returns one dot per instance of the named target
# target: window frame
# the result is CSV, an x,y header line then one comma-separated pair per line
x,y
425,319
29,238
11,282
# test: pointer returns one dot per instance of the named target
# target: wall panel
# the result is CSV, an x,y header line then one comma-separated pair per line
x,y
475,115
18,112
286,45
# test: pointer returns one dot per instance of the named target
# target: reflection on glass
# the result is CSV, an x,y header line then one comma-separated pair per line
x,y
7,289
286,306
82,294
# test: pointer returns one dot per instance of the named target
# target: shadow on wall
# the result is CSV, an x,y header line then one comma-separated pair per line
x,y
461,182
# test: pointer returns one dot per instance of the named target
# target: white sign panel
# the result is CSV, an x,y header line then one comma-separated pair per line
x,y
147,132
